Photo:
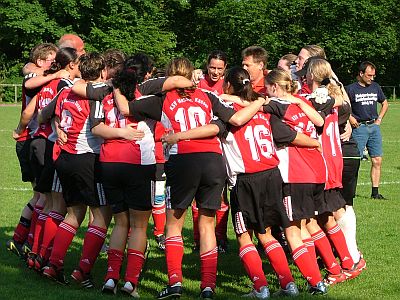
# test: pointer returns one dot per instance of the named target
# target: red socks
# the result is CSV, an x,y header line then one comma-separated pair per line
x,y
158,212
253,265
64,236
173,256
336,236
115,259
35,214
221,225
49,232
92,244
324,248
39,229
22,230
309,243
208,268
134,266
307,266
278,260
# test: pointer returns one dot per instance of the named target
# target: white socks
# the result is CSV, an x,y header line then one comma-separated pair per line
x,y
348,225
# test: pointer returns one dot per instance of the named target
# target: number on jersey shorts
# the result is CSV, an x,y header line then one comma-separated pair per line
x,y
300,199
77,173
256,201
128,186
199,176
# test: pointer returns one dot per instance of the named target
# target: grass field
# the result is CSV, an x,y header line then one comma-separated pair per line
x,y
378,231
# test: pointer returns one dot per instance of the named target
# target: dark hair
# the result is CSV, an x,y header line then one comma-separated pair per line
x,y
239,79
258,53
114,60
143,65
91,65
364,65
217,54
127,79
63,57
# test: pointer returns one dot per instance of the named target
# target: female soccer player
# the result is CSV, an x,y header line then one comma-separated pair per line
x,y
42,151
194,171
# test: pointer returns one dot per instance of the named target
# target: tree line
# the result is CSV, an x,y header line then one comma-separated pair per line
x,y
350,31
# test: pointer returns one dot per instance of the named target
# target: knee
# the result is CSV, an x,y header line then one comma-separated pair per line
x,y
377,161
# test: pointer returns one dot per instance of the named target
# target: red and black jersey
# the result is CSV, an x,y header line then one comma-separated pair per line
x,y
44,97
213,86
183,112
27,95
120,150
250,148
73,112
298,164
329,139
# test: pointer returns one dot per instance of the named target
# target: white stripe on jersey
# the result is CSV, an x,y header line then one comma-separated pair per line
x,y
99,114
87,142
169,150
147,144
96,85
283,155
233,158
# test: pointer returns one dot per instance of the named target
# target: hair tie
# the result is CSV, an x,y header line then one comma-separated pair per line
x,y
326,81
244,81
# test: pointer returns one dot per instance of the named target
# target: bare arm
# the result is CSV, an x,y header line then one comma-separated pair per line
x,y
384,108
79,88
121,102
303,140
25,118
62,137
176,82
234,99
127,133
310,112
195,133
245,114
31,68
40,80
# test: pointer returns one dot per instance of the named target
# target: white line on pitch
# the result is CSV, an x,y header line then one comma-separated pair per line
x,y
15,189
383,182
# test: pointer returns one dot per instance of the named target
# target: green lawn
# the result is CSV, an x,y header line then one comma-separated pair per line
x,y
377,234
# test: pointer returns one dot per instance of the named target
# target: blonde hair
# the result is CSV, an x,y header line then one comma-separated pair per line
x,y
321,71
180,66
315,50
283,79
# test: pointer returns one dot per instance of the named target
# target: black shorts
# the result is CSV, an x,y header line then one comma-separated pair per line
x,y
199,176
349,179
128,186
41,153
160,173
80,179
333,201
22,150
301,199
256,202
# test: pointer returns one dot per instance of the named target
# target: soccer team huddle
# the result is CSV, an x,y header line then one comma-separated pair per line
x,y
112,133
